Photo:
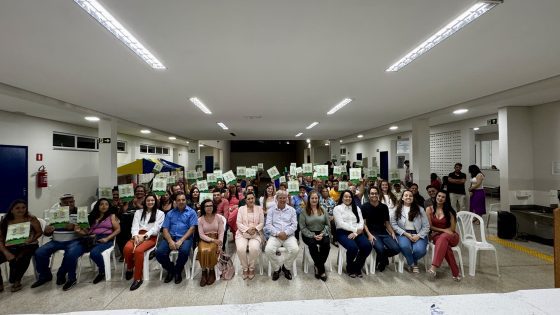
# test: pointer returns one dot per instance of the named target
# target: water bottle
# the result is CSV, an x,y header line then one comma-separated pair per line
x,y
434,310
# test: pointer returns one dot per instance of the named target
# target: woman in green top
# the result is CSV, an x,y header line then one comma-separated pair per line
x,y
315,227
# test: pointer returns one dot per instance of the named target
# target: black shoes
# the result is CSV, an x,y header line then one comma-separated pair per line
x,y
135,285
178,278
276,274
287,273
128,275
40,282
60,280
169,277
69,285
100,277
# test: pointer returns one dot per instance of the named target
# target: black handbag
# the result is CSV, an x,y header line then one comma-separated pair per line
x,y
88,242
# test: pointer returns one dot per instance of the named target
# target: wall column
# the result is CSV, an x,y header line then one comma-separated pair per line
x,y
420,157
108,153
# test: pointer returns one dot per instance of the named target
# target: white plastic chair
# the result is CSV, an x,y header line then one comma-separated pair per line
x,y
373,257
401,260
342,257
237,264
456,249
106,254
470,241
146,265
195,253
493,211
307,259
294,266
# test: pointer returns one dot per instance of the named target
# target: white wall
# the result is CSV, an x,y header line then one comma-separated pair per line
x,y
68,171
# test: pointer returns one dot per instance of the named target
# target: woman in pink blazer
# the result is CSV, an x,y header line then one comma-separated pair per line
x,y
249,235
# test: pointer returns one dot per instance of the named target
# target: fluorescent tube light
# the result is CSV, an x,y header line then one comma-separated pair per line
x,y
460,111
201,145
98,12
394,127
200,105
476,128
477,10
172,138
92,118
308,140
145,131
343,103
313,124
223,126
360,136
340,141
299,134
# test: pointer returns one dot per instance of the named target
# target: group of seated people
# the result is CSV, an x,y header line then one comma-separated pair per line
x,y
178,222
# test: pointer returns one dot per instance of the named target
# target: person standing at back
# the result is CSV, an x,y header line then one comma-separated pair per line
x,y
456,188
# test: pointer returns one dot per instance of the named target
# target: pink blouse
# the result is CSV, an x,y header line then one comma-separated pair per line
x,y
216,226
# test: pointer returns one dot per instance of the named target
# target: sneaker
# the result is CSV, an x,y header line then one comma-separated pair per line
x,y
69,284
40,282
381,267
415,269
100,277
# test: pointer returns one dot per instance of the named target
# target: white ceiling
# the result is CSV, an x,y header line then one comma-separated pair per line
x,y
288,61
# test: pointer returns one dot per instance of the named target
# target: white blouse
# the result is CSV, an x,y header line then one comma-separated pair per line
x,y
139,224
345,218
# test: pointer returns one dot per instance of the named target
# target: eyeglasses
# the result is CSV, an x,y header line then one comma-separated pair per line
x,y
209,206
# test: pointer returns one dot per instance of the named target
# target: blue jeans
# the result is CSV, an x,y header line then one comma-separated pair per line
x,y
357,250
412,251
72,251
95,253
162,256
385,246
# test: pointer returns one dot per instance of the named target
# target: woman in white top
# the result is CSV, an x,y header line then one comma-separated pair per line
x,y
389,198
268,200
349,233
412,227
478,198
145,228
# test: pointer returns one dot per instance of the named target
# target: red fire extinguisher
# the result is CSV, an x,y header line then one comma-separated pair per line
x,y
42,180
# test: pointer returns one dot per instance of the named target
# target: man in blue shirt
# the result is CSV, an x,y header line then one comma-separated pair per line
x,y
178,228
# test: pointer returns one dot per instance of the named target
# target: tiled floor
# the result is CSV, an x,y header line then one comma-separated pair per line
x,y
518,271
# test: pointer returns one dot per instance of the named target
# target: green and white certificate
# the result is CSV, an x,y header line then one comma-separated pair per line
x,y
17,233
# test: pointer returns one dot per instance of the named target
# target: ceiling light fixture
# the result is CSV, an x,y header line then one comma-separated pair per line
x,y
201,145
476,128
92,118
221,124
460,111
299,134
187,142
98,12
313,124
145,131
471,14
327,143
360,136
340,141
200,105
172,138
308,140
338,106
394,127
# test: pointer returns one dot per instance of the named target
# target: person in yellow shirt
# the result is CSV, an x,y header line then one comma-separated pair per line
x,y
334,193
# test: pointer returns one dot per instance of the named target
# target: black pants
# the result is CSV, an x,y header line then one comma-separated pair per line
x,y
18,265
319,250
333,231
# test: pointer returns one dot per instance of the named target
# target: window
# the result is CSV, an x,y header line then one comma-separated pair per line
x,y
74,142
121,146
153,149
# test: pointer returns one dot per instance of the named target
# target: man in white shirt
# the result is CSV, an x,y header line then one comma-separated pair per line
x,y
281,224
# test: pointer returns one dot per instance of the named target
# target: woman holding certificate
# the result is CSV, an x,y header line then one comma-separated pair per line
x,y
103,227
19,232
145,228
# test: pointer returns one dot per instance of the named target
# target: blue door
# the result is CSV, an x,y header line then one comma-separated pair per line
x,y
384,164
209,164
13,167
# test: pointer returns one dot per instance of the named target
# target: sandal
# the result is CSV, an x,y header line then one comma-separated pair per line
x,y
245,274
415,269
457,279
432,274
251,275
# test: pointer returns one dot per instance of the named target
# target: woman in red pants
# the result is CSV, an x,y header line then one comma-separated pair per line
x,y
443,221
145,228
